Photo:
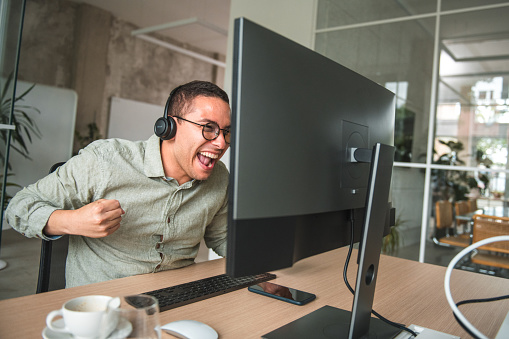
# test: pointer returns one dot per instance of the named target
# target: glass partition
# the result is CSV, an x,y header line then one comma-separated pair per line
x,y
333,13
448,5
472,118
472,115
11,18
449,69
398,56
406,183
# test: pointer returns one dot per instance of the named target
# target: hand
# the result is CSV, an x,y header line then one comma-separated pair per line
x,y
95,220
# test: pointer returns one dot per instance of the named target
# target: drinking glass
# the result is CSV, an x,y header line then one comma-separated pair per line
x,y
138,317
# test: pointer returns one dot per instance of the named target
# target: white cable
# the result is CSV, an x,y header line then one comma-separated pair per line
x,y
447,280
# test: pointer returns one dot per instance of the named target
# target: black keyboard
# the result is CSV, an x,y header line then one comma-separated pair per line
x,y
180,295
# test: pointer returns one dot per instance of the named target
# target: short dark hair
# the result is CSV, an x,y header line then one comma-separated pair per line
x,y
182,96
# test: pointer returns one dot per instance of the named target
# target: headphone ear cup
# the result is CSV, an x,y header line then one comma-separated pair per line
x,y
165,128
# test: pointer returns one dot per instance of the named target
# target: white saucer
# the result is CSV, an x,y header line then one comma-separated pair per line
x,y
48,333
124,328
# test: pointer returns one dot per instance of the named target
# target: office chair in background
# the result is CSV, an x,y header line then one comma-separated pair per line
x,y
462,207
445,232
494,255
53,257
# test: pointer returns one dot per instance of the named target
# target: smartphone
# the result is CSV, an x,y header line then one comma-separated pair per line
x,y
283,293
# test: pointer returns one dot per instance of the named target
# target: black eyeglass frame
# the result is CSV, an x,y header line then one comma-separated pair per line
x,y
217,130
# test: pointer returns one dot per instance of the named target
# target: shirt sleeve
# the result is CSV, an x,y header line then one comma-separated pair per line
x,y
29,210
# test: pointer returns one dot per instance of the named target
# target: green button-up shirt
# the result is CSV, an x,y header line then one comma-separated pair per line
x,y
163,224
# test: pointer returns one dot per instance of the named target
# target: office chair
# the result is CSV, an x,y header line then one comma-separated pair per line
x,y
444,226
472,205
494,254
462,207
53,257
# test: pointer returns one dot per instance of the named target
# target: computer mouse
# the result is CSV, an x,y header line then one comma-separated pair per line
x,y
190,329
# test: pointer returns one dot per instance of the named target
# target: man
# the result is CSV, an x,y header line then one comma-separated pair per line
x,y
138,207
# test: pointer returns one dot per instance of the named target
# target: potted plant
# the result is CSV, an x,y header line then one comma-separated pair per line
x,y
24,126
392,240
458,184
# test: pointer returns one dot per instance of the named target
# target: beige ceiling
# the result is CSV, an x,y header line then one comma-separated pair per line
x,y
148,13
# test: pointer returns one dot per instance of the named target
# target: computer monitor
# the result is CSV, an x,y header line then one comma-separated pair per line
x,y
297,118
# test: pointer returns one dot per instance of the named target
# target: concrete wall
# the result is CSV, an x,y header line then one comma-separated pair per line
x,y
81,47
47,46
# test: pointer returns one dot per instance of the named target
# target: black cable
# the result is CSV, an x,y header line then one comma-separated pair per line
x,y
345,278
471,301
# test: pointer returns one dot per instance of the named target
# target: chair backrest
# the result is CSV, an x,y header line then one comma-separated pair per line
x,y
443,213
487,226
462,207
472,204
52,263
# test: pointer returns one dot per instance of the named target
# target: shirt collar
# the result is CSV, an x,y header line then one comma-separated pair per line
x,y
152,163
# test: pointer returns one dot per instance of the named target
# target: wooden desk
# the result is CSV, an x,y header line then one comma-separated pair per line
x,y
408,292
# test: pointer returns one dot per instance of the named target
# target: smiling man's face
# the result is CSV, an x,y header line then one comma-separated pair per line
x,y
189,155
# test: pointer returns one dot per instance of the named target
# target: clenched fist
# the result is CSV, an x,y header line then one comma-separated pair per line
x,y
95,220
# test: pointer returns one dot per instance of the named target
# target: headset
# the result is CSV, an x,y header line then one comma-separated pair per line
x,y
166,127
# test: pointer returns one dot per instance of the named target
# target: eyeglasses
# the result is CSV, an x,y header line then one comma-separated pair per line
x,y
210,130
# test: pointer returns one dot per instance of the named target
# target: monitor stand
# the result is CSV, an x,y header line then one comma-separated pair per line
x,y
331,322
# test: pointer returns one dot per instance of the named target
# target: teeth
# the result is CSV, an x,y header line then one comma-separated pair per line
x,y
209,155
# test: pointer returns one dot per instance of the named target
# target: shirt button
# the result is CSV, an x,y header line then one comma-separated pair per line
x,y
168,220
157,246
158,266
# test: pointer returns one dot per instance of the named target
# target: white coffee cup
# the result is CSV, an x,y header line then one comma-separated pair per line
x,y
85,317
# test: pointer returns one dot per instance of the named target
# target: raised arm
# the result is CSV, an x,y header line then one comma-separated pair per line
x,y
95,220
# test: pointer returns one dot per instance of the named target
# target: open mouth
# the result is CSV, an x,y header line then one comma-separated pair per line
x,y
207,159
